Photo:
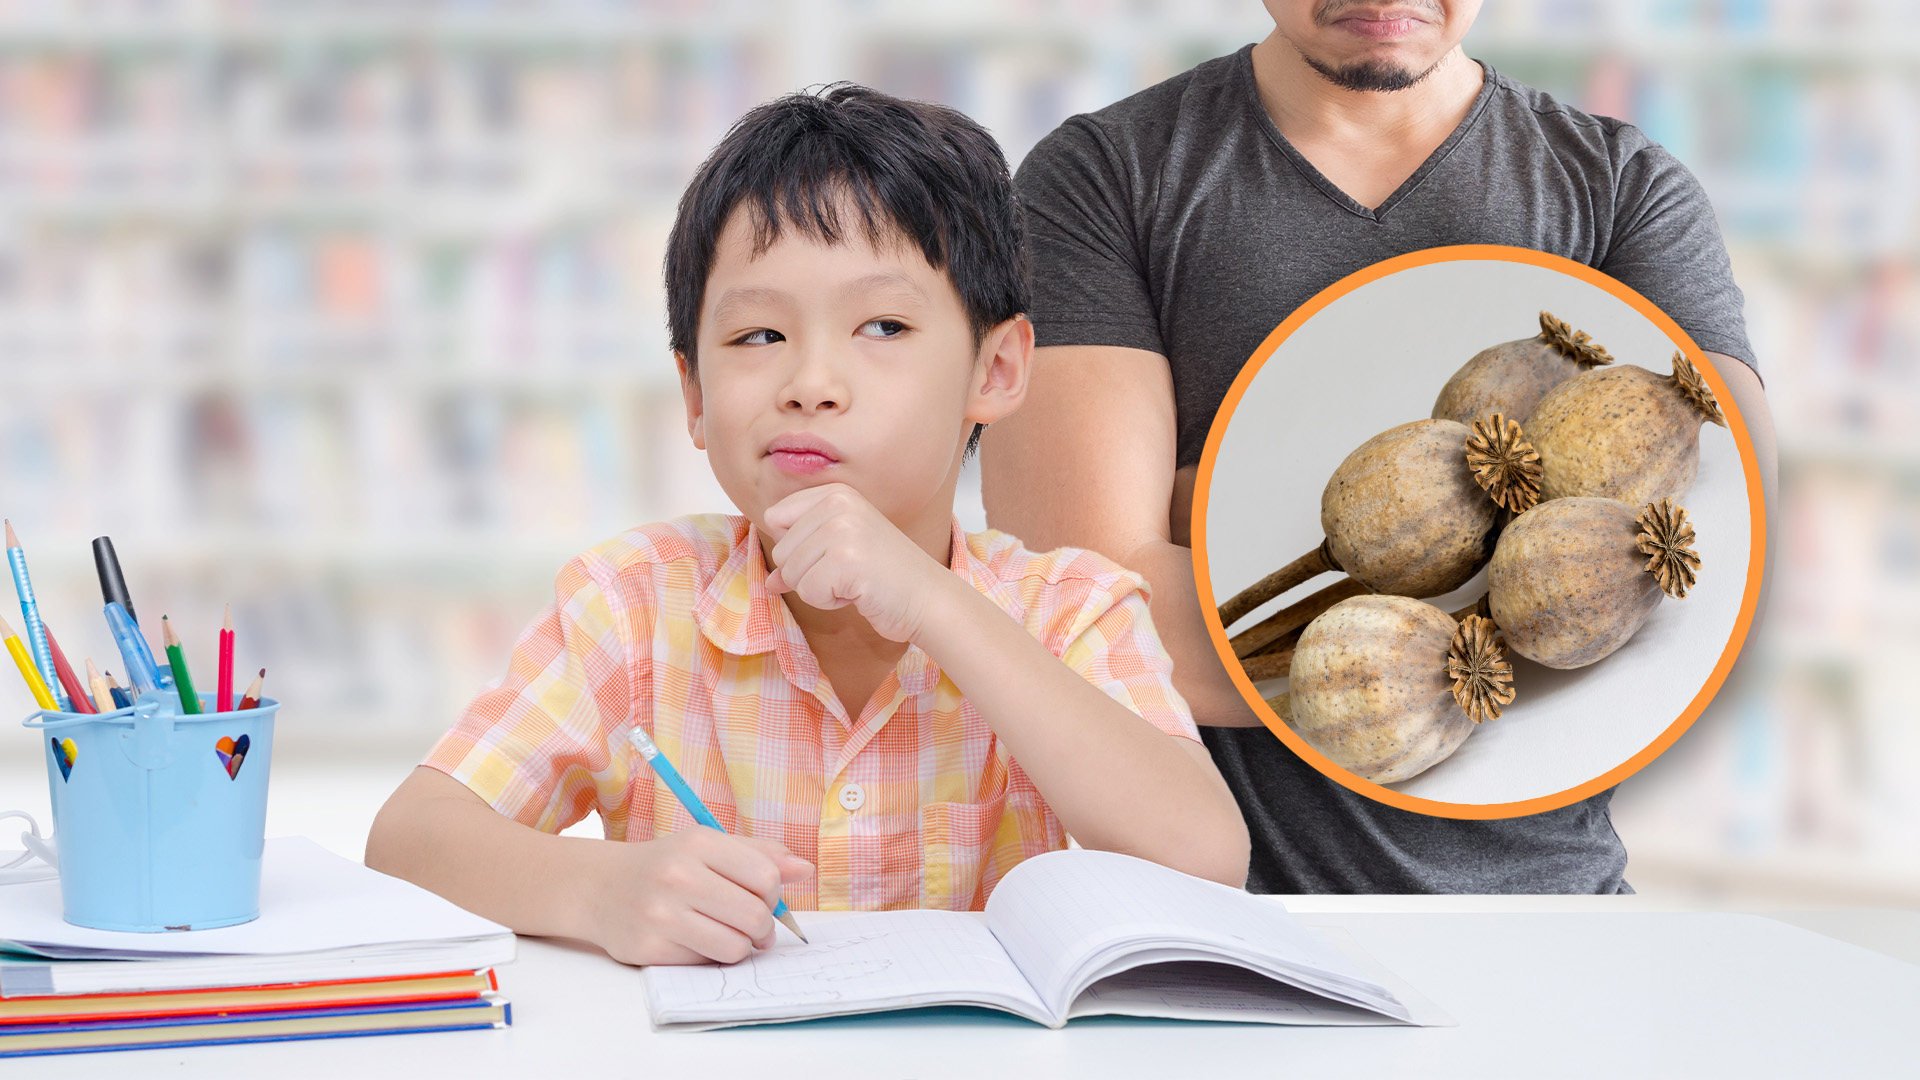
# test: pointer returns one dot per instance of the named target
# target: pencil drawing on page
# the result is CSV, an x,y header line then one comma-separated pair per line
x,y
806,973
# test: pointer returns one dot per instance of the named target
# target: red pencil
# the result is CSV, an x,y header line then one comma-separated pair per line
x,y
225,699
251,700
68,680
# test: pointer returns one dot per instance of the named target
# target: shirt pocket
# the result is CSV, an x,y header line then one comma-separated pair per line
x,y
957,840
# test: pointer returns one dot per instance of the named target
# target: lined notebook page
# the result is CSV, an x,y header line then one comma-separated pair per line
x,y
854,963
1055,911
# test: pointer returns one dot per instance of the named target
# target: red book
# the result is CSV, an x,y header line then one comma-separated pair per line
x,y
272,997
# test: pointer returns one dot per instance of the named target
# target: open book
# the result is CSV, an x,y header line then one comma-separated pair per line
x,y
1066,934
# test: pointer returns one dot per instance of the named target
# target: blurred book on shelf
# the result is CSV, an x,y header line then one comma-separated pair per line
x,y
377,286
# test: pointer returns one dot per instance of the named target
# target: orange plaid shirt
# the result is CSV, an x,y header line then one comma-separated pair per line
x,y
914,802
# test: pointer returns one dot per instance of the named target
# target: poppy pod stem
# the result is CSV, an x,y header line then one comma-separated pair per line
x,y
1303,569
1290,619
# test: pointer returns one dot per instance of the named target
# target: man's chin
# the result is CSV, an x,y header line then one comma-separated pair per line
x,y
1376,76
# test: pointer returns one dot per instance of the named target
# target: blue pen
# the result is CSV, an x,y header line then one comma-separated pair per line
x,y
141,670
30,611
678,785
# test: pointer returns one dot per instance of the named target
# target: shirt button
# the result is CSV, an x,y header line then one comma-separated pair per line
x,y
852,797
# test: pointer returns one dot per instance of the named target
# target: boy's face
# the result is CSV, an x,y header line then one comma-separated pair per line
x,y
821,363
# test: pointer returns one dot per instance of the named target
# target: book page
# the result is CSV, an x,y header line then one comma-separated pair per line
x,y
1069,917
1197,990
853,964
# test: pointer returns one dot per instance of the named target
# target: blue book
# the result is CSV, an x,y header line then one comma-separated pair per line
x,y
213,1029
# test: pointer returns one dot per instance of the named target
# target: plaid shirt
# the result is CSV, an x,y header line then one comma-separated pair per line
x,y
913,802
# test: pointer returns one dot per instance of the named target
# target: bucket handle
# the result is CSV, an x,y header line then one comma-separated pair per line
x,y
37,847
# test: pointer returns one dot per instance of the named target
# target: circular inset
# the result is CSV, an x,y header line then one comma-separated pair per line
x,y
1479,620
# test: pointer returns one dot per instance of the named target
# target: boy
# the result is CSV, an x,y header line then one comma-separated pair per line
x,y
883,710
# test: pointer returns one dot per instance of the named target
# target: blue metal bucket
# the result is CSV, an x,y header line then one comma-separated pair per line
x,y
160,817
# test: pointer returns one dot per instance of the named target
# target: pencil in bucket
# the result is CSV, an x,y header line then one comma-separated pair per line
x,y
160,816
159,792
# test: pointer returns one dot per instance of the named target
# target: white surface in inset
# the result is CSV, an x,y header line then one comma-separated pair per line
x,y
1377,358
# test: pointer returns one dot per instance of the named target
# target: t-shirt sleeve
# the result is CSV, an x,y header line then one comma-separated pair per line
x,y
539,744
1666,245
1108,638
1090,283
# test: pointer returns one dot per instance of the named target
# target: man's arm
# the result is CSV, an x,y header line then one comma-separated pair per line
x,y
1750,398
1088,461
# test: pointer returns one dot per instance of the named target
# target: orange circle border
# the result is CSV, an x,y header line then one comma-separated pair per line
x,y
1203,484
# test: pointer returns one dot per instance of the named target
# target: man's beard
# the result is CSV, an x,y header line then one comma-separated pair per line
x,y
1368,75
1365,75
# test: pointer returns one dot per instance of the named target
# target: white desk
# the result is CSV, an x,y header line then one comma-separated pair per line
x,y
1551,986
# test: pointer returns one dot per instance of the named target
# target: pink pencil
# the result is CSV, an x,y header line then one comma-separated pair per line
x,y
224,701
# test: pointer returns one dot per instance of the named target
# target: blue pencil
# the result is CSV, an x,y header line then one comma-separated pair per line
x,y
30,611
678,785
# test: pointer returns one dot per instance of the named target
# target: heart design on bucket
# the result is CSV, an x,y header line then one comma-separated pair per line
x,y
64,755
232,752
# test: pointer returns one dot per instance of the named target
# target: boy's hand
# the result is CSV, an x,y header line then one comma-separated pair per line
x,y
691,897
835,549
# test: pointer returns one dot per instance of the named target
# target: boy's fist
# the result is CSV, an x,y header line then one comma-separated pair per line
x,y
691,897
835,549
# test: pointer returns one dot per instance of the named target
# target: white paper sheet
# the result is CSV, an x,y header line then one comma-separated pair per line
x,y
853,963
310,900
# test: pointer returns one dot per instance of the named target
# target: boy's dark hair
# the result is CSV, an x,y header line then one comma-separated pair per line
x,y
923,172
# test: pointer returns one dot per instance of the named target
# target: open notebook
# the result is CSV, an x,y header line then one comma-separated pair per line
x,y
1066,934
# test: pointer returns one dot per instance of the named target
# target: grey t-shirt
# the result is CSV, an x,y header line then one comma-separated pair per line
x,y
1181,221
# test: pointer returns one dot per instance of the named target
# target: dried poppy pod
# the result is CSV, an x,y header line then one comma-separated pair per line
x,y
1623,433
1512,377
1387,686
1412,512
1572,579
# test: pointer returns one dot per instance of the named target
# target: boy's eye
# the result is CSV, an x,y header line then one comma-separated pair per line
x,y
759,337
884,328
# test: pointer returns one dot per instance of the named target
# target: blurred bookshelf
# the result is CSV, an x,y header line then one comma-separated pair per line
x,y
350,313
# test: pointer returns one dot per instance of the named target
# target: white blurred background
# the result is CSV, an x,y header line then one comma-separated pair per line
x,y
349,314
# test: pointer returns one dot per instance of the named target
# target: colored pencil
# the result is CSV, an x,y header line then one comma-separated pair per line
x,y
177,659
30,611
223,700
76,694
24,662
251,699
122,697
696,808
102,690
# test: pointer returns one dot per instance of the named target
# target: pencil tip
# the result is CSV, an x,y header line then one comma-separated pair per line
x,y
13,539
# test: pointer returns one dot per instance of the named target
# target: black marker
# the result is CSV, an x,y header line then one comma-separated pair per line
x,y
113,587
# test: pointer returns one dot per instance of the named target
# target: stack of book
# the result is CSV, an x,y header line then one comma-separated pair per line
x,y
338,950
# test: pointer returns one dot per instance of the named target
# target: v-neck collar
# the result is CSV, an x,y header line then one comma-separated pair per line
x,y
1328,187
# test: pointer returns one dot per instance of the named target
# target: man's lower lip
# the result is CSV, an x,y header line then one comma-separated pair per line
x,y
801,464
1381,28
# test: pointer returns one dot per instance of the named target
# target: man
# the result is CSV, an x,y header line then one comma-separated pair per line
x,y
1173,230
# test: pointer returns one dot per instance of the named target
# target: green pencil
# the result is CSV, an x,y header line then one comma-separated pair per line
x,y
189,700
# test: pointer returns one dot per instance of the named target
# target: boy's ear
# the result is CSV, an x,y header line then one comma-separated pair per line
x,y
696,406
1002,371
